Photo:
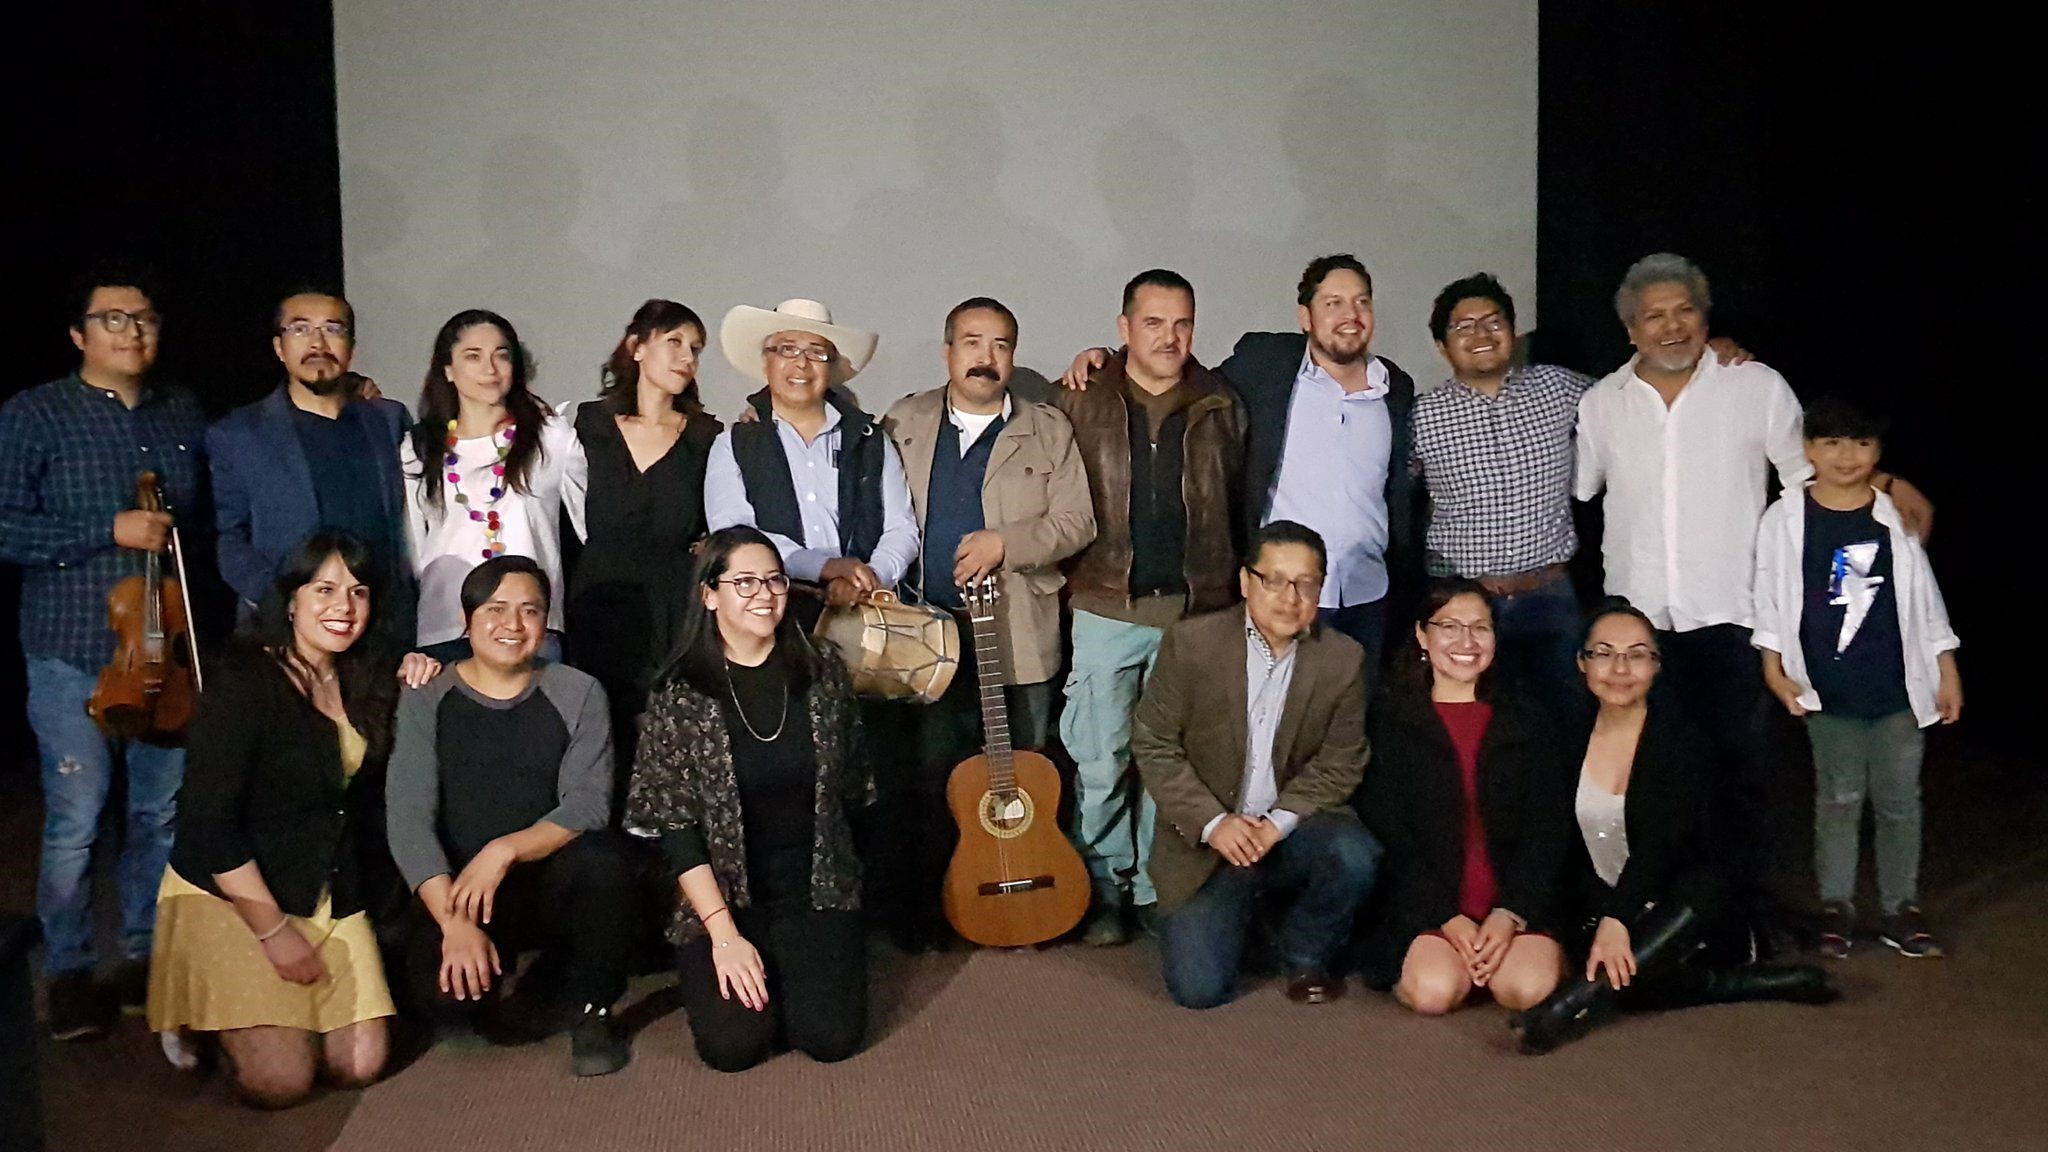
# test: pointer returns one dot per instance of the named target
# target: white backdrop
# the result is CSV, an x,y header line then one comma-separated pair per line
x,y
562,162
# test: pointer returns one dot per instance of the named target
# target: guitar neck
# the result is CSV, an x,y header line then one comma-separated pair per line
x,y
995,708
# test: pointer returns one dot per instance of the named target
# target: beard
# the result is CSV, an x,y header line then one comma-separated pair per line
x,y
326,385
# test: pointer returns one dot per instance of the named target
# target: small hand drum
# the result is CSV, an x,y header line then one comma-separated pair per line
x,y
896,651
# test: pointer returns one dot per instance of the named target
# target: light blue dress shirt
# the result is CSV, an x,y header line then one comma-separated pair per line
x,y
1333,477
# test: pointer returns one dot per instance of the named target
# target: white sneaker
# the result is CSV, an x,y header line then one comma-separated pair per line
x,y
179,1050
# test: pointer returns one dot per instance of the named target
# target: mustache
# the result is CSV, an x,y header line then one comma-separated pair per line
x,y
984,372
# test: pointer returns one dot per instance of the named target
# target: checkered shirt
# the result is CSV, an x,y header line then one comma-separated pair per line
x,y
69,457
1499,472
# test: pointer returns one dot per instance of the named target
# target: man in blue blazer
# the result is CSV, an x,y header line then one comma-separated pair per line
x,y
315,453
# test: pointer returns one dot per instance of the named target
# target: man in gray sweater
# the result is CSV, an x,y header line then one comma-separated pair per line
x,y
497,808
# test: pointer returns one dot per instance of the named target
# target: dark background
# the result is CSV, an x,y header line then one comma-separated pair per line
x,y
1846,180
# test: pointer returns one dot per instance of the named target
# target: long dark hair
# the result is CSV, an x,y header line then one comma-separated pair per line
x,y
1418,675
439,404
620,377
699,657
369,692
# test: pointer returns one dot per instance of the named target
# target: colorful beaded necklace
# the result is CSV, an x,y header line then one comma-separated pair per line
x,y
493,546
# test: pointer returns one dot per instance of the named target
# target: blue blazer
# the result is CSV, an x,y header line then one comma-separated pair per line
x,y
263,497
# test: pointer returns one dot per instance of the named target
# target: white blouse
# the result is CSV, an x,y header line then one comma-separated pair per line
x,y
1602,821
446,543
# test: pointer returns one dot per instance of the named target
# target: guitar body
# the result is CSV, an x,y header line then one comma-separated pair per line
x,y
1015,879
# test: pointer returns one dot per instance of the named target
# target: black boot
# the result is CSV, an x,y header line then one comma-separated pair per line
x,y
1662,939
1789,983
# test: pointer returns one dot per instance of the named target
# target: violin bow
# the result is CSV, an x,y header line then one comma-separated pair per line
x,y
185,595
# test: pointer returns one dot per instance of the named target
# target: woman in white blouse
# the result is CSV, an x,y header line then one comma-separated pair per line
x,y
1646,883
486,469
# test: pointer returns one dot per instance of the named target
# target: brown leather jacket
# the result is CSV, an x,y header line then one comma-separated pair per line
x,y
1212,485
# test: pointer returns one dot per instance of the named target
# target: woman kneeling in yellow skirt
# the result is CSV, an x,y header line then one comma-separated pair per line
x,y
261,936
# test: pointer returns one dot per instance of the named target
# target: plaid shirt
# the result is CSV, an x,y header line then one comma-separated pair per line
x,y
69,457
1499,471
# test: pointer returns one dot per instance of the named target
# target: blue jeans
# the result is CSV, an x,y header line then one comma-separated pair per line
x,y
1365,623
1328,863
78,772
1539,639
1113,815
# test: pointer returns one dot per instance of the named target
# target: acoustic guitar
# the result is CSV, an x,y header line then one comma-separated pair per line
x,y
1015,879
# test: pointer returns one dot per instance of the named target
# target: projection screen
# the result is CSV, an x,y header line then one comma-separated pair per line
x,y
560,163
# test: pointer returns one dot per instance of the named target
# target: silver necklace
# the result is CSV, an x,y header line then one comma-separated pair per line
x,y
781,718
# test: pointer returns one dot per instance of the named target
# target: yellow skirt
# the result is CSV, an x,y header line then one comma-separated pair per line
x,y
207,972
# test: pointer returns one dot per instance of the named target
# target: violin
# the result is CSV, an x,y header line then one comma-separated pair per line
x,y
146,692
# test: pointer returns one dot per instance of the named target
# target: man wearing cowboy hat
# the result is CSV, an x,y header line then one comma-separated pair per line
x,y
814,471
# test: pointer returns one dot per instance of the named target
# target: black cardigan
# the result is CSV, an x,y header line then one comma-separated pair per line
x,y
263,782
1670,848
1414,801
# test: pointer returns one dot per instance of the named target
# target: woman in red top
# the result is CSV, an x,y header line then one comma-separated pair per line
x,y
1472,801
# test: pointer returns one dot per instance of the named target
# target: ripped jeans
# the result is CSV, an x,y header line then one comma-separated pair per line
x,y
78,774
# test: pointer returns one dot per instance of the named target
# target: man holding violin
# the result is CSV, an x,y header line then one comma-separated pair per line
x,y
71,452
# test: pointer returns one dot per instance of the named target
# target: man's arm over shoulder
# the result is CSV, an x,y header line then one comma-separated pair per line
x,y
1158,740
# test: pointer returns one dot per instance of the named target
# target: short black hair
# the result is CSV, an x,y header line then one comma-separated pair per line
x,y
348,310
118,273
1616,606
1840,414
1479,286
1156,278
1287,532
981,304
482,582
1319,270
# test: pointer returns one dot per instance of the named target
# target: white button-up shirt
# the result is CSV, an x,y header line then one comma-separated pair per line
x,y
1333,477
1685,485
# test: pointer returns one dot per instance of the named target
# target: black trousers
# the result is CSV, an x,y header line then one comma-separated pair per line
x,y
817,965
580,904
1716,676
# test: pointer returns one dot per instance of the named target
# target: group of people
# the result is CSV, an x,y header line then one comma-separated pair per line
x,y
437,744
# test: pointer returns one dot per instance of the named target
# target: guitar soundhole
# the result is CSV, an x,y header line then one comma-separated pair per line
x,y
1006,815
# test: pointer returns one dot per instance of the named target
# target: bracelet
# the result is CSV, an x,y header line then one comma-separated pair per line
x,y
282,923
706,918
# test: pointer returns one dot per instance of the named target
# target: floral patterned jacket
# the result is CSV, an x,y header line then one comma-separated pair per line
x,y
683,778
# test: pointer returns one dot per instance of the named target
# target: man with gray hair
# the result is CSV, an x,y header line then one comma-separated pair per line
x,y
1681,443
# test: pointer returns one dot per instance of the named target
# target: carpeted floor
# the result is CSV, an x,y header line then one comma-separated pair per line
x,y
1077,1049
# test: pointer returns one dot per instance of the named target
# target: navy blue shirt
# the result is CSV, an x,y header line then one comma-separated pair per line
x,y
1866,679
343,489
69,457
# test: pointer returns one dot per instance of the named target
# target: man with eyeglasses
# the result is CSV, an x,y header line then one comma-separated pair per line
x,y
70,453
1253,771
812,471
312,454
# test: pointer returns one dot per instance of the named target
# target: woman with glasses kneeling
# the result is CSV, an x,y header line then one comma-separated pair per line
x,y
1655,908
261,937
1470,796
745,774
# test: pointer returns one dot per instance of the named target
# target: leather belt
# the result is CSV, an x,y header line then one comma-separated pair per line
x,y
1516,583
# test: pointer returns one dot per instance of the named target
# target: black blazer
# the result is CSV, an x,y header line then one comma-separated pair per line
x,y
1262,369
1670,847
263,782
1414,801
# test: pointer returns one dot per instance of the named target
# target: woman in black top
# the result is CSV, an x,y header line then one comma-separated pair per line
x,y
745,773
1645,884
646,438
1468,793
262,937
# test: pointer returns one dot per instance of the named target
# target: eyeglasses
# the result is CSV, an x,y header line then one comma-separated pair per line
x,y
749,587
1623,658
1492,324
1308,587
1461,630
791,350
115,320
334,330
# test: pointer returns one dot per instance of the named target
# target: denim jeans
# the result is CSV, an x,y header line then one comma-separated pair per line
x,y
78,773
1854,758
1365,623
1113,815
1539,638
1328,864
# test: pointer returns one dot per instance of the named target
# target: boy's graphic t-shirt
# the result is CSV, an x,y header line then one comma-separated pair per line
x,y
1849,627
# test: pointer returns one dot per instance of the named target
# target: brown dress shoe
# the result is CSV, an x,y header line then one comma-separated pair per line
x,y
1314,987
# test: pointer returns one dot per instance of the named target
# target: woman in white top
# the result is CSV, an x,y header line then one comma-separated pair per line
x,y
485,472
1658,930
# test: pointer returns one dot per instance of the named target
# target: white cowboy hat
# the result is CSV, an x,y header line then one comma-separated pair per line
x,y
746,328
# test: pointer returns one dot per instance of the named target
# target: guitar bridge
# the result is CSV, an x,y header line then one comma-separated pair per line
x,y
1012,887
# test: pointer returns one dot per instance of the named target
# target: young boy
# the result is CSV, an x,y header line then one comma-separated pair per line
x,y
1856,639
